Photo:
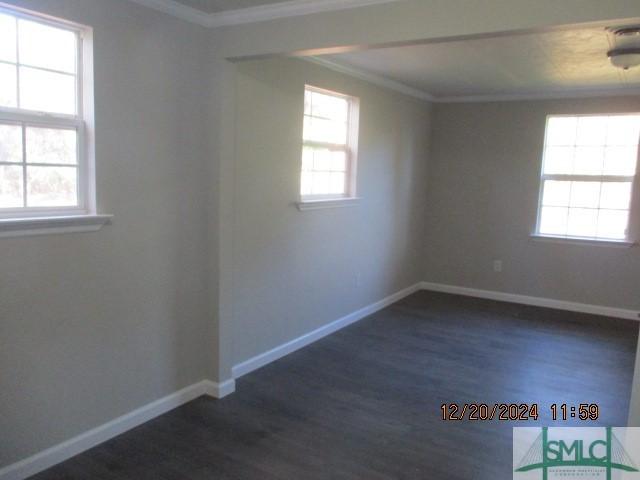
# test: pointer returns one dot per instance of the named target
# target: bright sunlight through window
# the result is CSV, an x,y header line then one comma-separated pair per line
x,y
588,173
41,167
329,145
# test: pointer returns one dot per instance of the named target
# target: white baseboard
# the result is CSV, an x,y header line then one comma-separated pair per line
x,y
65,450
535,301
69,448
308,338
219,390
300,342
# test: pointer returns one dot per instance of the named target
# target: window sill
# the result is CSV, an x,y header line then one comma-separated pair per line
x,y
330,203
19,227
582,241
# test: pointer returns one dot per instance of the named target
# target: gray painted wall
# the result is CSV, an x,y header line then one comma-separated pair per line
x,y
296,271
482,199
95,325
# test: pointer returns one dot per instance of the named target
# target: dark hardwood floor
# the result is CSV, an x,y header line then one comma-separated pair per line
x,y
364,403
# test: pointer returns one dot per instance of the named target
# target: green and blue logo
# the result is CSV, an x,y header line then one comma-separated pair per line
x,y
575,452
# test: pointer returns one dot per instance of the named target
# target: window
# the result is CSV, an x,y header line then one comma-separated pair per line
x,y
329,145
44,167
588,173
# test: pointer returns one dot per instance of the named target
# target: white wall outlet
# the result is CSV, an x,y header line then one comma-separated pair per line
x,y
358,279
497,266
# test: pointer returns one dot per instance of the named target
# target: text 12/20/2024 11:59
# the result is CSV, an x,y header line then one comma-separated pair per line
x,y
517,411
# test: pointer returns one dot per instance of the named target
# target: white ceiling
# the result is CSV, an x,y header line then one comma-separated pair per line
x,y
216,6
218,13
516,65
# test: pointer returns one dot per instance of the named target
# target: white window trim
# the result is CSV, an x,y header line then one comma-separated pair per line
x,y
84,216
316,202
629,240
582,241
19,227
328,203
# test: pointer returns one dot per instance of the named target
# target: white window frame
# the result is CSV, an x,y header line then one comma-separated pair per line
x,y
351,154
83,217
629,239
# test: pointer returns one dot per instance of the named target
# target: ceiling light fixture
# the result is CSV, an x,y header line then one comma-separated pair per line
x,y
624,58
627,55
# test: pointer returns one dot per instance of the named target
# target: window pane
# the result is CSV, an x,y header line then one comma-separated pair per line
x,y
591,131
623,130
307,159
337,183
7,38
615,195
50,145
321,130
556,193
613,224
582,222
328,160
307,133
620,160
306,183
338,161
10,143
561,131
307,102
325,155
585,194
322,160
46,91
553,220
51,187
323,172
588,161
603,145
327,106
321,182
8,88
10,186
47,47
558,160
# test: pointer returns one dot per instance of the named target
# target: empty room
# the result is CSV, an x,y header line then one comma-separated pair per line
x,y
319,239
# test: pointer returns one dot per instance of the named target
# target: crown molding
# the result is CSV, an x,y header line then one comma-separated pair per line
x,y
291,8
550,95
179,10
371,78
261,13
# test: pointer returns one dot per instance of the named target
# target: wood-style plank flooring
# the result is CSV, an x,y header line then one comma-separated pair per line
x,y
364,403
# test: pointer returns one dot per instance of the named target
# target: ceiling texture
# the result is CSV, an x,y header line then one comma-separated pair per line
x,y
526,64
561,61
217,6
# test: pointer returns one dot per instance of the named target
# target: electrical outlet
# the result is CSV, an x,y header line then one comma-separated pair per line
x,y
497,266
358,279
